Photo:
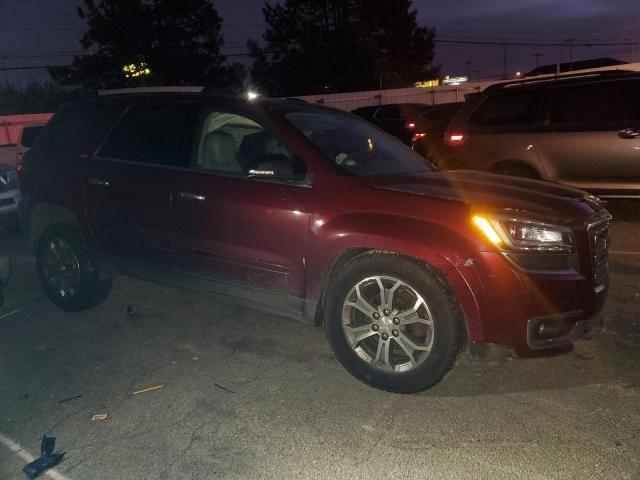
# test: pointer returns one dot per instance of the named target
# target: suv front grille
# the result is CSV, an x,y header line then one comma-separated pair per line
x,y
598,242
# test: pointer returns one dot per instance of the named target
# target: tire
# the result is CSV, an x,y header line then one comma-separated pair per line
x,y
68,272
439,343
514,170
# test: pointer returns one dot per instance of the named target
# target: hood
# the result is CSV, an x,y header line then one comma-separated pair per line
x,y
486,191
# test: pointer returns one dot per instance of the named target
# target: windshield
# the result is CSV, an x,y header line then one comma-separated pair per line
x,y
356,146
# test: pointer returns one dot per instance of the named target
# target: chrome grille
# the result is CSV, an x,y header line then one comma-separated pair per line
x,y
598,243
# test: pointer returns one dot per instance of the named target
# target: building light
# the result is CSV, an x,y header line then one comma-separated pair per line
x,y
135,70
428,83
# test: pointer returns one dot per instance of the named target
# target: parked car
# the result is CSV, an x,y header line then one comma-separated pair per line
x,y
429,139
26,139
582,130
10,198
402,120
314,214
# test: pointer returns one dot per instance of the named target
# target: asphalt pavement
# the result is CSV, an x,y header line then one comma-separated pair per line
x,y
249,395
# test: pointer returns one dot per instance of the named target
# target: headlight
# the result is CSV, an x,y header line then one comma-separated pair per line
x,y
521,235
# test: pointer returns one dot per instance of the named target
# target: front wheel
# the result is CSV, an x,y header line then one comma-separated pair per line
x,y
393,324
67,271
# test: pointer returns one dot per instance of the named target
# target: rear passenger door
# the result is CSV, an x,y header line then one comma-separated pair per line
x,y
130,182
591,136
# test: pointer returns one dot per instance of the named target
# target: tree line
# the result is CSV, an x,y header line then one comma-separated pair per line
x,y
308,46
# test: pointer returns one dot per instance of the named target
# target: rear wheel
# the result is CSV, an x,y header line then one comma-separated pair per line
x,y
392,324
68,273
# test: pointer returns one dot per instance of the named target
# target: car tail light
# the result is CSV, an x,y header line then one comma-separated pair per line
x,y
418,136
411,125
19,167
455,138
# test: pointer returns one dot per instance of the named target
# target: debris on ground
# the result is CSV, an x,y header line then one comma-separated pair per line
x,y
131,310
100,417
68,399
47,459
147,390
224,388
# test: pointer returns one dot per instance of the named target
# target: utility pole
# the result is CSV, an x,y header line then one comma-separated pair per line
x,y
570,41
504,55
537,55
630,40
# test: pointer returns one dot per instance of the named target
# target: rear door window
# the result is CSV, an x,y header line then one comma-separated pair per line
x,y
151,134
388,113
503,110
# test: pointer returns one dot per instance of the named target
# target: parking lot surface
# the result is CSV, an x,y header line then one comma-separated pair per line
x,y
250,395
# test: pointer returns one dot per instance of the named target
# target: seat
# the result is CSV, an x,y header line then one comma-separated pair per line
x,y
219,153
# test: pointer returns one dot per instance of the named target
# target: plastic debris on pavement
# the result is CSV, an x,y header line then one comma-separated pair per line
x,y
47,458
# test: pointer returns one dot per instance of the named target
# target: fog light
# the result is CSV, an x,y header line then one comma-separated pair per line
x,y
549,330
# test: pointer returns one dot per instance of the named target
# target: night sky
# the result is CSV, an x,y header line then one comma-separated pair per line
x,y
46,32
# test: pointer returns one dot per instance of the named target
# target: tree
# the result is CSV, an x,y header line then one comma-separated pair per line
x,y
403,51
162,42
33,98
314,46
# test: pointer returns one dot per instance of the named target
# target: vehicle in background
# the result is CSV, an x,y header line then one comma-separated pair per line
x,y
314,214
26,139
10,199
582,130
429,140
402,120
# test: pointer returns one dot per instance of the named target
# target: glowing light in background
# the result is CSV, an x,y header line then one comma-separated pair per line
x,y
135,70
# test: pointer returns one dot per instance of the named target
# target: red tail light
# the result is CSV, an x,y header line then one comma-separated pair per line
x,y
455,138
418,136
411,125
19,167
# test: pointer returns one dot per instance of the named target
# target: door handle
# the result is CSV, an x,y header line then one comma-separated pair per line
x,y
99,182
629,133
192,196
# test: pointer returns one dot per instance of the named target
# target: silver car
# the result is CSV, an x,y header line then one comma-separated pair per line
x,y
581,130
10,198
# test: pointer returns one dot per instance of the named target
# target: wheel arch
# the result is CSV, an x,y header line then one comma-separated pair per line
x,y
46,214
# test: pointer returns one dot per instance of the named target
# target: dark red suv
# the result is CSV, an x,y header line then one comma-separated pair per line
x,y
314,214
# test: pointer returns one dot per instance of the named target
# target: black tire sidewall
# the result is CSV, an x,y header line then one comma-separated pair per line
x,y
448,325
89,282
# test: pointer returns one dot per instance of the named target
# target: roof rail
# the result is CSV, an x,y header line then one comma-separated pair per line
x,y
554,78
128,91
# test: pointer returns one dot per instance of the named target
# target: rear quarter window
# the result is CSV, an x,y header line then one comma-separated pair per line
x,y
69,126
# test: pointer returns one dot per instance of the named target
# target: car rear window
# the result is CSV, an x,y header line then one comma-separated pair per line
x,y
504,110
356,146
29,135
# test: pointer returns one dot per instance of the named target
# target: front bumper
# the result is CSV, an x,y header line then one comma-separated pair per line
x,y
533,313
10,203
